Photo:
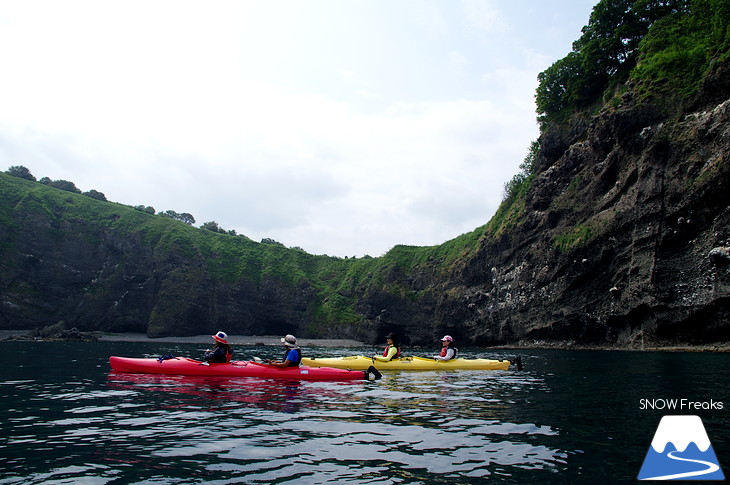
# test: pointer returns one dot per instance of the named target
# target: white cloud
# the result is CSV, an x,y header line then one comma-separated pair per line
x,y
484,15
340,127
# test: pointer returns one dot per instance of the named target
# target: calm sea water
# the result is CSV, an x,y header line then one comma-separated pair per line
x,y
569,417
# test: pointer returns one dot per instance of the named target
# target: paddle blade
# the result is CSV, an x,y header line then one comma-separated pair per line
x,y
372,372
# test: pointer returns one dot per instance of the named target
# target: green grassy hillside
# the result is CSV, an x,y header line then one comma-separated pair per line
x,y
227,259
66,255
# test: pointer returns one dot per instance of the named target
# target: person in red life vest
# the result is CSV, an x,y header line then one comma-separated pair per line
x,y
222,352
448,351
292,356
391,351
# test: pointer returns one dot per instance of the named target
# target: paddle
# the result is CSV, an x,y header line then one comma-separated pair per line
x,y
374,372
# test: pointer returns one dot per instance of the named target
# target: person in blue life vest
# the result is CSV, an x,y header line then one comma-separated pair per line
x,y
448,351
221,352
391,351
292,356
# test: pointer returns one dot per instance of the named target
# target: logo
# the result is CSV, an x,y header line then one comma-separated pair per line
x,y
681,450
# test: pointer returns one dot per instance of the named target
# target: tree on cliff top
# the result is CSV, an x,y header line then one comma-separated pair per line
x,y
602,56
61,185
21,172
185,217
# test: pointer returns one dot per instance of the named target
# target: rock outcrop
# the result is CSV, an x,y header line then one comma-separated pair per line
x,y
623,239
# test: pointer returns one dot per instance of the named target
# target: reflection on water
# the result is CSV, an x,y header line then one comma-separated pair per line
x,y
284,396
407,425
81,423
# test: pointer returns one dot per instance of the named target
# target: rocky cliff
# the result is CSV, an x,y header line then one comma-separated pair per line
x,y
96,265
621,238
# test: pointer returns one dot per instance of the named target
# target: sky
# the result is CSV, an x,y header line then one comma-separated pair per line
x,y
342,127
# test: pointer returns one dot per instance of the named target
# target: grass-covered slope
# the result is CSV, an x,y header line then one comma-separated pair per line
x,y
69,257
603,236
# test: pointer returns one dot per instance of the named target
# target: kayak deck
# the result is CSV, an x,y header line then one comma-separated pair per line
x,y
190,367
360,362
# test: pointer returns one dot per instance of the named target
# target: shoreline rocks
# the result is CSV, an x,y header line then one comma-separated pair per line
x,y
74,335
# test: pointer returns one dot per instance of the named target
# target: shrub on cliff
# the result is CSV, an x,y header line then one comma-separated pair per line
x,y
61,185
666,46
679,49
20,172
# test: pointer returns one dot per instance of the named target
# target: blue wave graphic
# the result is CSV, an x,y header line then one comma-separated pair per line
x,y
681,465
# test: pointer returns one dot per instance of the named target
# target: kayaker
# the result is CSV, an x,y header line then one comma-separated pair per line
x,y
448,351
293,354
221,352
392,349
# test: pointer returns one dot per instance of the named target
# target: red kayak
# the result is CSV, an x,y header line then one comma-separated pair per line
x,y
189,367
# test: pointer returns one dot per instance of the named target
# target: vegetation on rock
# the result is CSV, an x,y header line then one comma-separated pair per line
x,y
666,47
602,237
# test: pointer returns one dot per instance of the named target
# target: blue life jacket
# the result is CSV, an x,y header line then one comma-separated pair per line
x,y
296,362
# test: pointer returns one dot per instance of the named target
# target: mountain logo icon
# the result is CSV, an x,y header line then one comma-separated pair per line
x,y
681,450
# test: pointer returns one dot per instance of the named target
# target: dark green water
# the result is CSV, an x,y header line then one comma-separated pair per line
x,y
569,417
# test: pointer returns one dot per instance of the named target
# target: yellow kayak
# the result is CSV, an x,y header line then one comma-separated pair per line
x,y
359,362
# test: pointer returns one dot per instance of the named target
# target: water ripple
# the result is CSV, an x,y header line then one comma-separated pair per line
x,y
81,423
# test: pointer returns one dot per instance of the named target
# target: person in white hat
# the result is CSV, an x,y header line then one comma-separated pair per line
x,y
221,352
448,351
292,356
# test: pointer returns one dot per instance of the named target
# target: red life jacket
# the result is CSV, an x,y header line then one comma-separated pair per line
x,y
445,349
219,354
387,348
229,352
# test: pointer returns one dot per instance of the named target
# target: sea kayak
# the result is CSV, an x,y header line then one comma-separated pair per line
x,y
189,367
359,362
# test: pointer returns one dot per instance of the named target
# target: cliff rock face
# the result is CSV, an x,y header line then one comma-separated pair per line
x,y
94,276
624,239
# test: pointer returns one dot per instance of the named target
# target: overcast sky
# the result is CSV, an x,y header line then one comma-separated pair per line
x,y
343,127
